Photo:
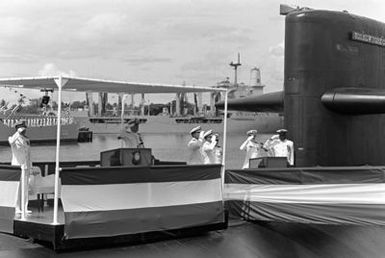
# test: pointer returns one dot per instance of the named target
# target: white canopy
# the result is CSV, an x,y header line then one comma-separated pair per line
x,y
97,85
93,85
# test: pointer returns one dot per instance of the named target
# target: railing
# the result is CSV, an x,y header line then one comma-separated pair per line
x,y
38,121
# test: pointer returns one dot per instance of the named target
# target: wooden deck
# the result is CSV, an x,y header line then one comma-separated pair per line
x,y
241,239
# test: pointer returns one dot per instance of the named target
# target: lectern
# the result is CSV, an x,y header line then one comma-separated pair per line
x,y
268,162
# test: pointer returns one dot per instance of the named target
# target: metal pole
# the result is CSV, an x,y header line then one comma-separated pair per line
x,y
142,105
122,117
22,193
60,83
224,140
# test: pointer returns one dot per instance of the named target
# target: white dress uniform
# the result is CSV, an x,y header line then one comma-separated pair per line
x,y
284,148
208,151
270,143
252,151
21,156
131,140
281,148
217,155
21,151
195,145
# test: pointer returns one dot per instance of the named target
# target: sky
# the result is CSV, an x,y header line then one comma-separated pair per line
x,y
158,41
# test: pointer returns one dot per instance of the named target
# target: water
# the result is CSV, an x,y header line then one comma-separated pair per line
x,y
166,147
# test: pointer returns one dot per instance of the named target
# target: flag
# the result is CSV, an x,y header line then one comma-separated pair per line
x,y
9,185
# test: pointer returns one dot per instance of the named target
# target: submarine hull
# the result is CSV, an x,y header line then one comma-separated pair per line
x,y
325,50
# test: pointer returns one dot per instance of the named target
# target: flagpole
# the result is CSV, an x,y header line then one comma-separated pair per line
x,y
224,140
122,118
60,82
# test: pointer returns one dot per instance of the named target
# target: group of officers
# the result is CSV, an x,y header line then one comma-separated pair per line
x,y
21,152
204,148
276,146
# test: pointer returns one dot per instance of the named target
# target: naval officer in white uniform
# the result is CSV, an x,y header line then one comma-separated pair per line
x,y
280,146
195,145
252,148
130,136
208,148
21,156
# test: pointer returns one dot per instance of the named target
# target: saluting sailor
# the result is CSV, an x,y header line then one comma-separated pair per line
x,y
251,146
21,156
195,145
280,146
130,136
208,147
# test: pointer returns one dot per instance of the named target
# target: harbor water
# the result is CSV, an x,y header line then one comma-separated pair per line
x,y
166,147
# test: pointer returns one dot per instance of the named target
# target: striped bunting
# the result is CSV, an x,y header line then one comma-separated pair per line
x,y
9,185
100,202
308,195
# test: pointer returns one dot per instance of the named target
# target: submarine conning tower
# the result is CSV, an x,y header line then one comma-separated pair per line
x,y
334,84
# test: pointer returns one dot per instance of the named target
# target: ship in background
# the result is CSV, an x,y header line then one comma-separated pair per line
x,y
40,129
42,125
178,118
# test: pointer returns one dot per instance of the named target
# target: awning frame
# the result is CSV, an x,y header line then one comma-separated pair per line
x,y
65,83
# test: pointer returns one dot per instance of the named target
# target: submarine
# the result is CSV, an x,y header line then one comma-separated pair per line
x,y
333,102
334,89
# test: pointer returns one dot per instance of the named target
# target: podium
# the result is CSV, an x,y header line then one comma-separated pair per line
x,y
268,162
126,157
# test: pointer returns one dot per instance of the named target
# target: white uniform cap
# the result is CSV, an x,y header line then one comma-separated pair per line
x,y
282,131
207,133
195,129
250,132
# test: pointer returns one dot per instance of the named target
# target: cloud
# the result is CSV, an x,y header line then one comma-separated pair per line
x,y
103,26
212,59
197,29
52,70
165,41
68,30
146,60
15,58
13,26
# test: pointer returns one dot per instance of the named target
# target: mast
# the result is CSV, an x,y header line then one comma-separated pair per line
x,y
235,65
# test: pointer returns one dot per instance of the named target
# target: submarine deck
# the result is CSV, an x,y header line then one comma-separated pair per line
x,y
241,239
